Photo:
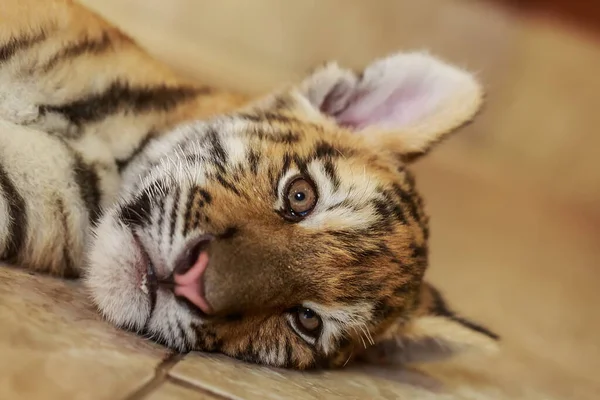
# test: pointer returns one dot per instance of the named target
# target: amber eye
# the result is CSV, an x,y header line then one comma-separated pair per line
x,y
308,321
301,197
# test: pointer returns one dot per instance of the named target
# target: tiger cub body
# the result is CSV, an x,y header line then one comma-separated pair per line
x,y
285,230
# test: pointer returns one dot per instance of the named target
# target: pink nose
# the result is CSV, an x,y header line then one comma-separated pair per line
x,y
189,284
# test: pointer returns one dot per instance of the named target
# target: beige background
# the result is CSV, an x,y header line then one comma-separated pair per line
x,y
513,200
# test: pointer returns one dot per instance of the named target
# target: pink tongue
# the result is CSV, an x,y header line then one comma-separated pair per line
x,y
189,285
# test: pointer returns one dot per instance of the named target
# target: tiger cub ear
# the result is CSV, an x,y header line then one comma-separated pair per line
x,y
435,333
404,103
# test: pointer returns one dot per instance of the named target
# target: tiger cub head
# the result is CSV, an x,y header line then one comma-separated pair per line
x,y
290,233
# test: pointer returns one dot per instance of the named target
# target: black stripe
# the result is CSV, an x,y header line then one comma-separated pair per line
x,y
188,211
183,334
440,308
289,353
88,182
286,162
174,213
253,160
249,353
120,96
161,214
285,137
69,264
408,199
276,174
205,340
215,149
324,149
404,289
228,233
283,103
17,213
411,157
474,326
335,101
73,50
170,332
15,44
425,228
371,243
268,117
330,171
419,252
136,212
388,210
218,342
122,163
205,195
301,164
396,202
382,310
346,203
409,179
227,185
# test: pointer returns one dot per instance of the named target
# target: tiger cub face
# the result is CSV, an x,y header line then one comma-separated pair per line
x,y
289,233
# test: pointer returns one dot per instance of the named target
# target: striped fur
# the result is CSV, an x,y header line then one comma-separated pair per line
x,y
111,166
90,99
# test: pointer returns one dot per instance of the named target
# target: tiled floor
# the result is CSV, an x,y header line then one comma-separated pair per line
x,y
505,249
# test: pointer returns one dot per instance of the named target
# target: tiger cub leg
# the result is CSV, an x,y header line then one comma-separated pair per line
x,y
50,195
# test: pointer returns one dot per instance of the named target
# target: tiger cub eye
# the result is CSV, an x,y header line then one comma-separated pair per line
x,y
308,320
301,197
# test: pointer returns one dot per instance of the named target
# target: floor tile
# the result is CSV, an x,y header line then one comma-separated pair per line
x,y
174,391
53,344
469,379
244,381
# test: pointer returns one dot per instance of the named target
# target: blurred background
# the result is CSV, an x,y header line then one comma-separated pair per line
x,y
514,197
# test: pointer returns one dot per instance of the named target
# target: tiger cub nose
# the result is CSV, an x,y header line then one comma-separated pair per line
x,y
189,272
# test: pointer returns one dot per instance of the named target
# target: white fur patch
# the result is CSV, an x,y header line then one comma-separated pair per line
x,y
281,185
4,222
345,207
235,150
113,275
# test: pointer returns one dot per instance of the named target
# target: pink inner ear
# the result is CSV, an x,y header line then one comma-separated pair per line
x,y
397,92
390,105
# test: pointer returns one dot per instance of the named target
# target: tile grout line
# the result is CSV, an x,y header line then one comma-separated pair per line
x,y
198,389
160,376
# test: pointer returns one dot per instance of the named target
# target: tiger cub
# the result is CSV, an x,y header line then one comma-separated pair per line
x,y
285,230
